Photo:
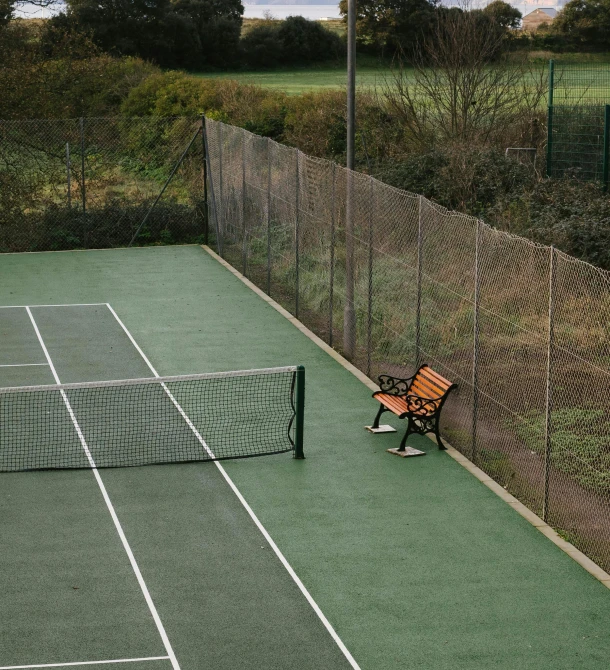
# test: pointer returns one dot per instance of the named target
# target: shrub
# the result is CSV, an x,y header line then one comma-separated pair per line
x,y
47,75
469,179
569,213
262,46
306,41
293,41
176,94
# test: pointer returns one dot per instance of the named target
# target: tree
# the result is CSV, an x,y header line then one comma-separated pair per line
x,y
295,40
585,23
183,33
7,8
306,41
262,46
455,93
390,24
504,15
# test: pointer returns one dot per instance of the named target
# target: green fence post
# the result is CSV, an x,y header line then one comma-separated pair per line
x,y
606,146
300,411
549,136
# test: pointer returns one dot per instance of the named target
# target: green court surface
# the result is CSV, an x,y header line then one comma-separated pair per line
x,y
413,562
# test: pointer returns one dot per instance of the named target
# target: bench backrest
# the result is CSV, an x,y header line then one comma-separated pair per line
x,y
429,384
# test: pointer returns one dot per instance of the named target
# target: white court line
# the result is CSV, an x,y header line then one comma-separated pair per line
x,y
22,365
117,523
73,304
65,665
242,500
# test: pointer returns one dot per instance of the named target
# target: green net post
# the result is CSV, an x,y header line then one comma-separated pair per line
x,y
549,137
300,411
606,146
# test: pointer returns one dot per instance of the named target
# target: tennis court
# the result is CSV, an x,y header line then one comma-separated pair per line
x,y
349,558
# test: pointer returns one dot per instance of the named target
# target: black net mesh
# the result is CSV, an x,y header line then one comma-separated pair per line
x,y
147,421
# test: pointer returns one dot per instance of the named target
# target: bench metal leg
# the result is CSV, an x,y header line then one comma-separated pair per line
x,y
403,442
382,409
438,437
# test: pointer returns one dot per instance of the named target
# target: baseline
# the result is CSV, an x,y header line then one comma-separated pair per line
x,y
326,623
70,304
65,665
23,365
117,523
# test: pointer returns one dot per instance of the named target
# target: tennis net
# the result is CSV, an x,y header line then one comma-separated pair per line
x,y
158,420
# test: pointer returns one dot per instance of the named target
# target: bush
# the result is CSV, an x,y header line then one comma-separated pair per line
x,y
468,179
48,75
295,41
177,94
262,47
569,213
306,41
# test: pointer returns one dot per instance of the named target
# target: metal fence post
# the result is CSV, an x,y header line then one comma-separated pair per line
x,y
475,353
331,296
244,251
419,278
605,167
212,194
82,186
220,187
549,387
297,249
206,213
69,175
549,136
369,316
349,313
268,217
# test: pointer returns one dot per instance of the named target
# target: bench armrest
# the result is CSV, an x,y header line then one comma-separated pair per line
x,y
394,385
418,403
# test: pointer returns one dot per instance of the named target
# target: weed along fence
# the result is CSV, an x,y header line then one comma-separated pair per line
x,y
522,328
387,277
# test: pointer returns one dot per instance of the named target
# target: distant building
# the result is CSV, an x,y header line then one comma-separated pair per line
x,y
535,19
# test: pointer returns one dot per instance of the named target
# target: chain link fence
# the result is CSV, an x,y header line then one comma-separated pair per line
x,y
578,140
380,274
96,182
523,329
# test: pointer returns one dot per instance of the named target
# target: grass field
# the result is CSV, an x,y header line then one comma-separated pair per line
x,y
303,80
371,73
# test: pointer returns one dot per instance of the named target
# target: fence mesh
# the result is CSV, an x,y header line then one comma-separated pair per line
x,y
382,275
92,183
577,124
521,328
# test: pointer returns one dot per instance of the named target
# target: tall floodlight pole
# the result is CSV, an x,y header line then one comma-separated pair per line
x,y
349,316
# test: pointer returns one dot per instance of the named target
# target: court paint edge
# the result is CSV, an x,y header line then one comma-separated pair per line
x,y
65,665
70,304
584,561
283,560
71,251
110,506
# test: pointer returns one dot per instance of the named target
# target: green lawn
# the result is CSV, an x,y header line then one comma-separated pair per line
x,y
303,80
371,74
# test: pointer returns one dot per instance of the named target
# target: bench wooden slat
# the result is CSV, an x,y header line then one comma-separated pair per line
x,y
399,406
422,388
429,372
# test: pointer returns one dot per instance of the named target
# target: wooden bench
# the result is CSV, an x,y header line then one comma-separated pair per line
x,y
419,399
